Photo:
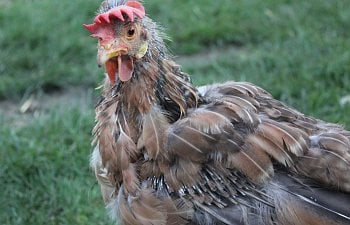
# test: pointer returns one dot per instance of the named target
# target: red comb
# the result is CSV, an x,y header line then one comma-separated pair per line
x,y
130,9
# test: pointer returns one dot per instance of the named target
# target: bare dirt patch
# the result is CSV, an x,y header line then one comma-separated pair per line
x,y
38,105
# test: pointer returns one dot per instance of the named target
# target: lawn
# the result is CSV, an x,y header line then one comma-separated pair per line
x,y
297,50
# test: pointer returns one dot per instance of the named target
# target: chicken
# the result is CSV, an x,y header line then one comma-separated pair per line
x,y
170,153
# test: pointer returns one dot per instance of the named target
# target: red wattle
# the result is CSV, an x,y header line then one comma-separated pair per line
x,y
111,69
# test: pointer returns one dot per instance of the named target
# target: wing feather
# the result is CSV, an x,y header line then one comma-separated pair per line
x,y
153,134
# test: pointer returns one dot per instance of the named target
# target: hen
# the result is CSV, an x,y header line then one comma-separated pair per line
x,y
170,153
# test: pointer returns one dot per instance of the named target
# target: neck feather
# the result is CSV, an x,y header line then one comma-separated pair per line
x,y
157,81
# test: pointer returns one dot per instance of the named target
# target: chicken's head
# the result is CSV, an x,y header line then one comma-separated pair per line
x,y
121,37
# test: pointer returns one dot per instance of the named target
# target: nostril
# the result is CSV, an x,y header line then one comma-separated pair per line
x,y
98,37
108,46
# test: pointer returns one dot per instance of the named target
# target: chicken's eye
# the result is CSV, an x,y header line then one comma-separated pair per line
x,y
131,32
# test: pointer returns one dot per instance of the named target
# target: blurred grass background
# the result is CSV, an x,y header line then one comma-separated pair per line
x,y
297,50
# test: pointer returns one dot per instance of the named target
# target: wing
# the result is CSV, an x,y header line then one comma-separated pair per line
x,y
227,157
302,144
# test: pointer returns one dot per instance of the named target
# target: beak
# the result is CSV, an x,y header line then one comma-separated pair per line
x,y
117,62
106,52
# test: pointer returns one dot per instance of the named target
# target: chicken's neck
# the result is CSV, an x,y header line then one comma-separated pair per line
x,y
155,84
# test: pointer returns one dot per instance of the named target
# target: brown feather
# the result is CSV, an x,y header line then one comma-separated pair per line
x,y
105,131
178,211
182,172
125,151
326,167
205,120
334,142
266,145
153,133
186,172
148,210
245,102
185,143
140,95
235,113
171,179
130,180
150,168
252,162
123,210
293,140
239,88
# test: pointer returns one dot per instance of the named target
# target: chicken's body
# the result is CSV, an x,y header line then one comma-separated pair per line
x,y
169,153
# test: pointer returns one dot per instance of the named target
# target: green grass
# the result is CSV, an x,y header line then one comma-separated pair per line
x,y
297,50
43,46
44,172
